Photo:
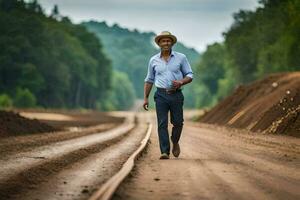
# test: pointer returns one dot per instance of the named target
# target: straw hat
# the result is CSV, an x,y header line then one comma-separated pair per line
x,y
165,34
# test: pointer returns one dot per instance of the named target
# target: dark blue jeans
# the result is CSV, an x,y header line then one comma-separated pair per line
x,y
164,103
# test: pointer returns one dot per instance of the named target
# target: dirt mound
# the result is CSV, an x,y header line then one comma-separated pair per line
x,y
270,105
12,124
64,119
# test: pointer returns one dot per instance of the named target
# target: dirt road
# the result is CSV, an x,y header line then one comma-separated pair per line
x,y
217,163
66,165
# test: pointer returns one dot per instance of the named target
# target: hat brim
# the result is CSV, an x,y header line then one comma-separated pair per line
x,y
157,38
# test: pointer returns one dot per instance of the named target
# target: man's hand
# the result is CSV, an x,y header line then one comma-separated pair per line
x,y
177,84
146,104
147,90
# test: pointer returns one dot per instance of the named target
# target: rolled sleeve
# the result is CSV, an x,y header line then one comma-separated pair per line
x,y
186,68
150,75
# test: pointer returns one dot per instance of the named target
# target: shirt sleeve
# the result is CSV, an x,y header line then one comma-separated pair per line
x,y
186,68
150,75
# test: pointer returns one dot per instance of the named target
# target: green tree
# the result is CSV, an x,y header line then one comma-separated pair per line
x,y
60,63
266,40
24,98
5,101
55,12
122,95
211,66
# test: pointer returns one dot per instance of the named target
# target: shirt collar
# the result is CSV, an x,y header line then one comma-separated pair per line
x,y
172,54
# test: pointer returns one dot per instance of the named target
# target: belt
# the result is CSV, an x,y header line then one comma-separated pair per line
x,y
168,91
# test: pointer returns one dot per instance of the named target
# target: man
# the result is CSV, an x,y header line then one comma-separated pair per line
x,y
169,71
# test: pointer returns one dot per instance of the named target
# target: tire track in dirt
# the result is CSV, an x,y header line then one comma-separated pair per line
x,y
12,145
79,179
21,161
24,169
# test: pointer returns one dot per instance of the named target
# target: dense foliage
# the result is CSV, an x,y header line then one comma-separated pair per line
x,y
48,61
258,43
265,41
122,96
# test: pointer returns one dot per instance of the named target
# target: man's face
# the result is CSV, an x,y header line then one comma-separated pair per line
x,y
165,43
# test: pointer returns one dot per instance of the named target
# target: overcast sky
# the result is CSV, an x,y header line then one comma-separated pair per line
x,y
196,23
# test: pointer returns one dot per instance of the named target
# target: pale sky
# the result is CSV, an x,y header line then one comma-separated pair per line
x,y
196,23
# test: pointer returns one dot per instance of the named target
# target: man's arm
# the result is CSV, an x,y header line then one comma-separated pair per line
x,y
178,83
147,90
187,74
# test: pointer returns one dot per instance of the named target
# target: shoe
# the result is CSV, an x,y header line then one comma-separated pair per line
x,y
164,156
176,150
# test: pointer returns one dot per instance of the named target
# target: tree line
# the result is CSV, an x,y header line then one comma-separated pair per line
x,y
258,43
47,61
50,62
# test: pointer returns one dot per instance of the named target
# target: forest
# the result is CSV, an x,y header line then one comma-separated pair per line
x,y
47,61
258,43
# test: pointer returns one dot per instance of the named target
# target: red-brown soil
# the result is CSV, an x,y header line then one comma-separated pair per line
x,y
78,119
22,122
270,105
12,123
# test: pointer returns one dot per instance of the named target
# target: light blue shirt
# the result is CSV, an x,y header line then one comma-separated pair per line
x,y
162,73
